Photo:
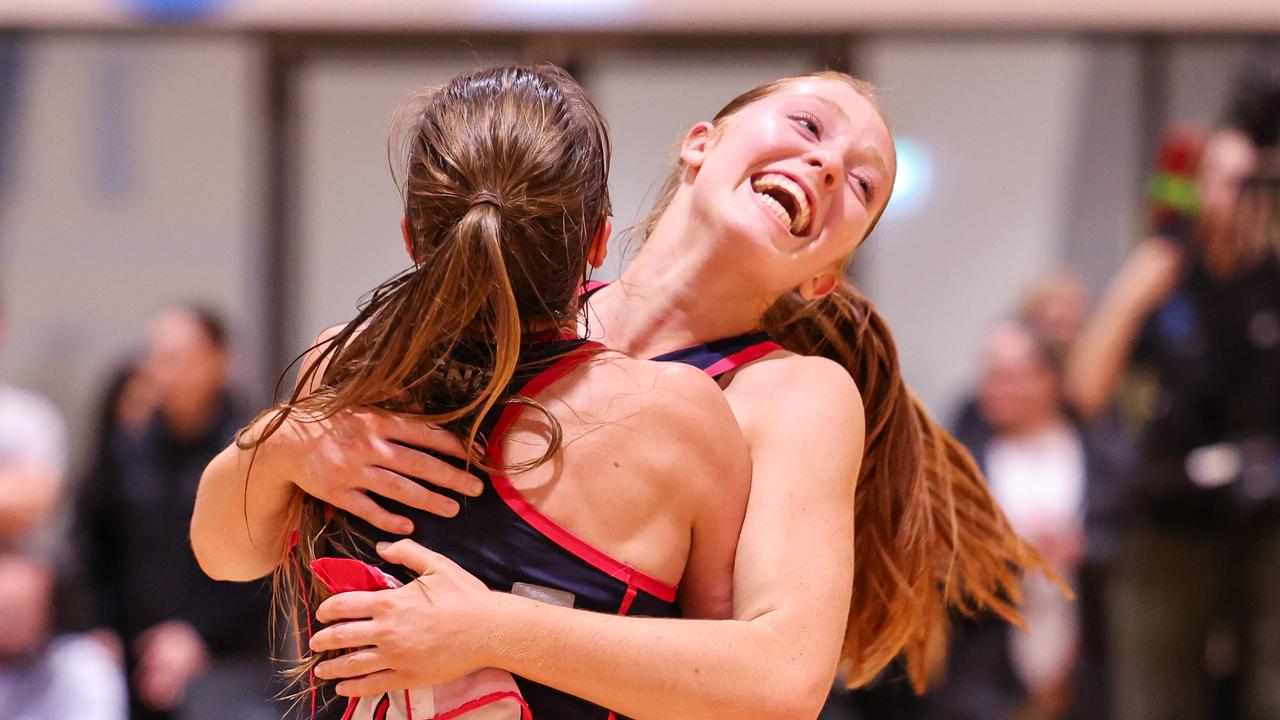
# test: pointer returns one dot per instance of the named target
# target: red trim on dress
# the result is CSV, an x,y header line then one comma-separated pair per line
x,y
468,706
590,286
742,357
532,515
306,605
627,599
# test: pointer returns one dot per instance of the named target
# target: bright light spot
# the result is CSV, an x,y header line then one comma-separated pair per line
x,y
914,184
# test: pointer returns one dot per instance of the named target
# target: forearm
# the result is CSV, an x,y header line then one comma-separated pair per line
x,y
1102,353
242,520
662,668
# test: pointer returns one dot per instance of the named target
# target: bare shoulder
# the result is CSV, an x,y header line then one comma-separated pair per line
x,y
315,353
787,394
787,378
683,415
682,395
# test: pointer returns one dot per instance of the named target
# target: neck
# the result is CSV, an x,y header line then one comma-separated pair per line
x,y
675,293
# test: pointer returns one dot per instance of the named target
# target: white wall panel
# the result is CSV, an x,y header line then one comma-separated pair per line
x,y
998,119
134,186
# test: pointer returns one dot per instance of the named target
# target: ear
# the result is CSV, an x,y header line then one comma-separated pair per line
x,y
408,242
818,286
600,243
696,143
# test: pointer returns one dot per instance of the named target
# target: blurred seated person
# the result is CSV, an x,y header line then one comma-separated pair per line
x,y
193,647
1042,466
43,677
32,466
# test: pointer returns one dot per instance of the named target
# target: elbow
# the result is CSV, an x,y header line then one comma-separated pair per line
x,y
227,572
797,695
212,556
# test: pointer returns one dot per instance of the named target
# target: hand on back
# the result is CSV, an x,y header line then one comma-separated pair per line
x,y
355,454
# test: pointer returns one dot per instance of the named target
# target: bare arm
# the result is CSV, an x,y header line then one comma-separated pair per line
x,y
719,505
791,588
1100,357
241,525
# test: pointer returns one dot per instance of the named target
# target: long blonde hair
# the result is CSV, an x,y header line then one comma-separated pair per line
x,y
928,536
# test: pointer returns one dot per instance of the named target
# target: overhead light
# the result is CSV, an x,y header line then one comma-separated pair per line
x,y
914,183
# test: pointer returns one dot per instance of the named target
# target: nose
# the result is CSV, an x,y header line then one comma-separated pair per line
x,y
827,167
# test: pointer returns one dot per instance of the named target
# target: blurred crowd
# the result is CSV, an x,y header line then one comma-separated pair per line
x,y
1135,441
1133,438
105,613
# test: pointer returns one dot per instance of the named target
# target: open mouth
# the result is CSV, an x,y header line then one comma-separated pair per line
x,y
785,198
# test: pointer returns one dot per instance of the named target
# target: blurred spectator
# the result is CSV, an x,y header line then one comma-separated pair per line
x,y
44,677
983,681
1043,467
1199,309
1055,308
194,648
32,465
1036,466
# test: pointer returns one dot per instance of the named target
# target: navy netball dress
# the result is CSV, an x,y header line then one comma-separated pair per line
x,y
502,539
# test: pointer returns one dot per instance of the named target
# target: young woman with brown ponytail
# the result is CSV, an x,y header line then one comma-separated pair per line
x,y
855,543
505,203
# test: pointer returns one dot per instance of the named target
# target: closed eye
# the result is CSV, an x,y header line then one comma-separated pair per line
x,y
863,185
809,123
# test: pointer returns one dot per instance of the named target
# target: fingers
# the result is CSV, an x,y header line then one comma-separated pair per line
x,y
380,682
419,434
414,463
415,557
357,605
352,665
363,507
344,636
394,486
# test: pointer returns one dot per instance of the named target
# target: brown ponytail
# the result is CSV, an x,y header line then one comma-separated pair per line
x,y
504,189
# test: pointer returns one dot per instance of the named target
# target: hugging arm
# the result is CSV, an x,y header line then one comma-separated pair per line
x,y
241,523
775,659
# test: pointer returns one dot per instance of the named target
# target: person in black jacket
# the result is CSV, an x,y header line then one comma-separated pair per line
x,y
193,647
1197,308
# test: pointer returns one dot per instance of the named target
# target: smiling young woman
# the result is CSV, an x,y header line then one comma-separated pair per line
x,y
865,519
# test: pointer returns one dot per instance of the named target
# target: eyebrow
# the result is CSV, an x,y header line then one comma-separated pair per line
x,y
832,106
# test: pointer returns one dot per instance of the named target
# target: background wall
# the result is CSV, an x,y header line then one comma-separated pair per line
x,y
134,183
138,177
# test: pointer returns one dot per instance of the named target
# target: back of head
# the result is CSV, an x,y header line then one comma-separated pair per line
x,y
518,156
505,184
1254,108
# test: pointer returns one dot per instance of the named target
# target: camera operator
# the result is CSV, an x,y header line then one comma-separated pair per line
x,y
1198,307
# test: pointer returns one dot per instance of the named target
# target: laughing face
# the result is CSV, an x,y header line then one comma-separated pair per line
x,y
794,180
